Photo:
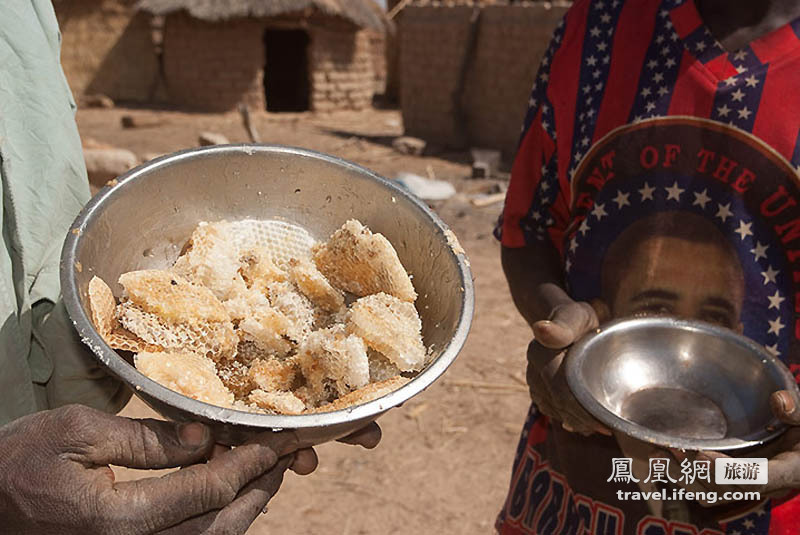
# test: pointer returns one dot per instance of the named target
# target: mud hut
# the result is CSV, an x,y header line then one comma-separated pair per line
x,y
285,55
466,68
107,48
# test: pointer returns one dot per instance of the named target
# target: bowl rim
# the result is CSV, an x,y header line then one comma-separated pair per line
x,y
277,422
578,354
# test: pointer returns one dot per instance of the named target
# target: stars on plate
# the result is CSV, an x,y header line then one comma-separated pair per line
x,y
674,192
759,251
647,192
724,211
701,199
745,229
622,199
775,300
599,211
770,275
775,326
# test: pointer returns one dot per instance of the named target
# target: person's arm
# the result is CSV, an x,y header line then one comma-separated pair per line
x,y
535,217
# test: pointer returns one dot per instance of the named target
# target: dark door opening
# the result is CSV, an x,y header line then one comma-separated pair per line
x,y
286,84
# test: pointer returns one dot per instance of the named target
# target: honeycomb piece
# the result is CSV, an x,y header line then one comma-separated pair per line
x,y
279,402
216,340
172,298
125,340
235,376
258,269
212,259
244,304
103,311
315,286
102,305
268,329
274,374
362,263
391,327
295,307
370,392
187,373
330,359
380,368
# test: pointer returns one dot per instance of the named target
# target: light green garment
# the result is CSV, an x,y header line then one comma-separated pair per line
x,y
44,185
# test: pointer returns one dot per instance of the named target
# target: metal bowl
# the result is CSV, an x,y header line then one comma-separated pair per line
x,y
145,219
678,383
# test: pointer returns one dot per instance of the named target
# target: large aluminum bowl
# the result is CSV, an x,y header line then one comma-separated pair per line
x,y
145,219
678,383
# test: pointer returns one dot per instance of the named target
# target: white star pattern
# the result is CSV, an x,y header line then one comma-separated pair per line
x,y
591,61
622,199
740,69
700,46
774,350
599,211
647,192
652,64
760,251
737,95
724,211
769,275
775,327
670,63
751,81
595,32
645,92
775,300
744,229
724,110
701,199
744,113
674,192
748,524
584,228
731,81
740,55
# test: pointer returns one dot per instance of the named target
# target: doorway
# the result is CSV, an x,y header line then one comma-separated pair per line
x,y
286,83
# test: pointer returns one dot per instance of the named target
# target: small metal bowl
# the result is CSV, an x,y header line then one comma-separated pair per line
x,y
144,220
678,383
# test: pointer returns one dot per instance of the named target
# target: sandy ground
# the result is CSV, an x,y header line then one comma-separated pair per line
x,y
444,463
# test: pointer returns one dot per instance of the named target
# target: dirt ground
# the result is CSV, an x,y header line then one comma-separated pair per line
x,y
444,463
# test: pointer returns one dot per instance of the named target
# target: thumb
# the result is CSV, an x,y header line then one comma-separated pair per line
x,y
784,406
567,323
148,443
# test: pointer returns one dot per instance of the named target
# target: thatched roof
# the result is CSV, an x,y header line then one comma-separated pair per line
x,y
359,12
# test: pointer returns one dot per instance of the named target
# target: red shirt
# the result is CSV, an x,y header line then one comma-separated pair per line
x,y
636,111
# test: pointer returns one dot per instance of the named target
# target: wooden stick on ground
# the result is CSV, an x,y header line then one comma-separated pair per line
x,y
252,132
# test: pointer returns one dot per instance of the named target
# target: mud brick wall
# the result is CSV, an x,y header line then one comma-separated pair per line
x,y
341,67
377,44
214,66
434,43
511,42
107,49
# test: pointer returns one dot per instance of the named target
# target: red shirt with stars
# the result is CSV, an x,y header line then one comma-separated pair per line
x,y
663,169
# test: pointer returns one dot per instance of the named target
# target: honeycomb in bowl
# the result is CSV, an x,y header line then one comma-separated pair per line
x,y
284,324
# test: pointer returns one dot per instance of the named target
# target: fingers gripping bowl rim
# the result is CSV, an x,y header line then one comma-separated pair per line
x,y
144,219
678,383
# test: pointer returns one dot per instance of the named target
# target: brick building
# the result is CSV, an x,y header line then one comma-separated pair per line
x,y
466,70
107,49
287,55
